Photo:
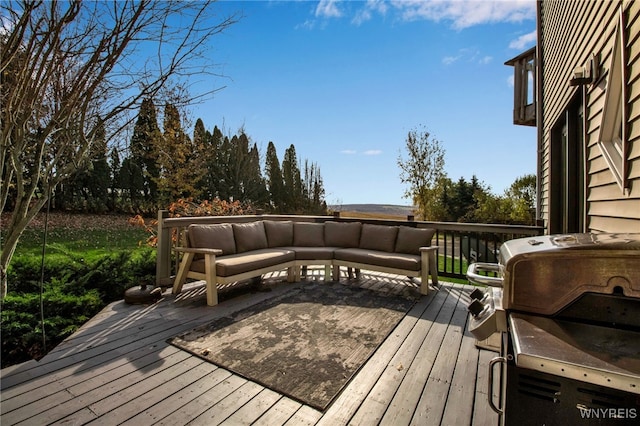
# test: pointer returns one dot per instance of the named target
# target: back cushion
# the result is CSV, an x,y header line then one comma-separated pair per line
x,y
249,236
378,237
219,236
411,239
306,234
279,233
342,234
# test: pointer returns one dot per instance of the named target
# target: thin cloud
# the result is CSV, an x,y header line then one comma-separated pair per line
x,y
372,152
370,8
348,151
466,13
460,13
328,9
468,56
525,40
448,60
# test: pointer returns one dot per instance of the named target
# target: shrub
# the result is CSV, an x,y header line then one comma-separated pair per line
x,y
74,291
22,328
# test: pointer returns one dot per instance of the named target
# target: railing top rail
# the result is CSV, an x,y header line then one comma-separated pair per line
x,y
178,222
484,227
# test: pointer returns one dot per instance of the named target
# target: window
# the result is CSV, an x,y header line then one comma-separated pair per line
x,y
567,187
524,90
612,138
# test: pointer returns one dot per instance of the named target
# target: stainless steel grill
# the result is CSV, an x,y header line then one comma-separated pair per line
x,y
566,309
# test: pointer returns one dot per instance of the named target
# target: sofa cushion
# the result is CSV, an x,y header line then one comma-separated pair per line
x,y
218,236
249,236
342,234
410,240
379,258
313,253
279,233
308,234
245,262
378,237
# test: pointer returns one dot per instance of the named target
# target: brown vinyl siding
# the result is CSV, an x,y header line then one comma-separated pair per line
x,y
570,32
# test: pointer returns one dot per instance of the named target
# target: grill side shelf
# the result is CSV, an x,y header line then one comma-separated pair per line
x,y
599,355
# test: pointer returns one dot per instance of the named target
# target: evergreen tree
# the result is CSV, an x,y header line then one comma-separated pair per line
x,y
114,173
292,181
177,177
99,175
236,166
130,180
214,166
274,179
313,190
145,139
255,185
202,158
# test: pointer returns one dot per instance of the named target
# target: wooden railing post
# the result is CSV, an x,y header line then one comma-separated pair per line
x,y
163,255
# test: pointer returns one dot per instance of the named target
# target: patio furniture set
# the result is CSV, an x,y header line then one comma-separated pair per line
x,y
229,252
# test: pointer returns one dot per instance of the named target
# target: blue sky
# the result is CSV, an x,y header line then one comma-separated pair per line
x,y
345,81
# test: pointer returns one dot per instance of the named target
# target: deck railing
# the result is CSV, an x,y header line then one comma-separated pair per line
x,y
459,243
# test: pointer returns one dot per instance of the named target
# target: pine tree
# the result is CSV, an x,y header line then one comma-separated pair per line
x,y
202,157
255,185
177,177
98,178
274,179
143,155
293,195
313,190
114,184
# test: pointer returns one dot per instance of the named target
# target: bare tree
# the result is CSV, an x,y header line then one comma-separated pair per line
x,y
69,69
423,169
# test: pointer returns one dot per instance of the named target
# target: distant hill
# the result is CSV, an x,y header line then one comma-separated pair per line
x,y
374,210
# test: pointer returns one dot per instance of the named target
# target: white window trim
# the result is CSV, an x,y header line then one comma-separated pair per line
x,y
612,138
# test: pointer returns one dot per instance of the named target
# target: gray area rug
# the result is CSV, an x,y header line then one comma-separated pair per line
x,y
306,343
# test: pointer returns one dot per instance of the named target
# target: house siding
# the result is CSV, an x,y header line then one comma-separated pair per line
x,y
569,33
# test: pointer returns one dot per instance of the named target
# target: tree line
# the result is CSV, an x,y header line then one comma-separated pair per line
x,y
160,166
438,198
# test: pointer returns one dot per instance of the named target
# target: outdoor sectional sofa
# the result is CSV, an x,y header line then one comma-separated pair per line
x,y
229,252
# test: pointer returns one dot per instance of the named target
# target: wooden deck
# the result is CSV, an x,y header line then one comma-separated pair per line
x,y
118,369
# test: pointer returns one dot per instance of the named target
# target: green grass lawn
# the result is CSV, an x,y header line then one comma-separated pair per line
x,y
87,243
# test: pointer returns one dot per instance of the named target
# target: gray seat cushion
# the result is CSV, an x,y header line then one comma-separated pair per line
x,y
411,239
218,236
248,261
279,233
249,236
380,258
342,234
308,234
313,253
378,237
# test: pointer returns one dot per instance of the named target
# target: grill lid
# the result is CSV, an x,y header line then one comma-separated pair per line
x,y
544,274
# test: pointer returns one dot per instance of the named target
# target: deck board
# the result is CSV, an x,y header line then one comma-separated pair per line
x,y
119,369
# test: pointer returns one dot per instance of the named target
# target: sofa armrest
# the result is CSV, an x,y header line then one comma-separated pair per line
x,y
210,270
431,253
195,250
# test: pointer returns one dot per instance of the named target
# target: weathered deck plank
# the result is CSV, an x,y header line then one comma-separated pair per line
x,y
118,369
279,413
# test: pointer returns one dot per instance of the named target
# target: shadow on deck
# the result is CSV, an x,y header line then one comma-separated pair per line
x,y
119,369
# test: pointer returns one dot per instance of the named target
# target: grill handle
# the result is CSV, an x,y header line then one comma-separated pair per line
x,y
492,363
474,276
